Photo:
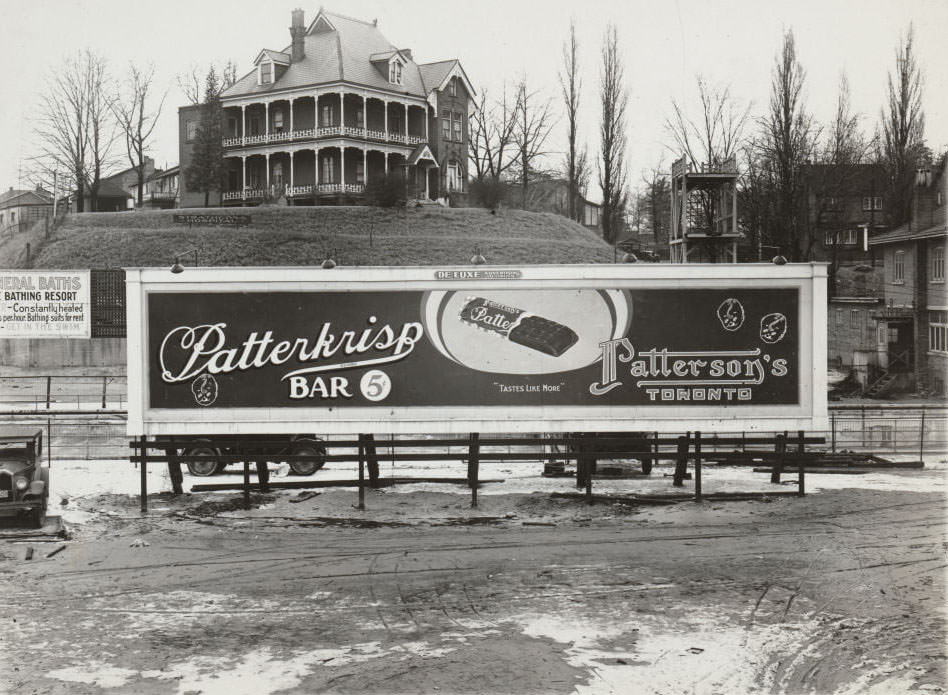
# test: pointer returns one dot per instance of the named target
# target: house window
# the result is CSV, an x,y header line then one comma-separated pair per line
x,y
938,331
882,333
254,125
192,129
395,72
458,128
854,318
898,268
278,121
872,202
453,87
446,124
277,174
839,318
453,176
329,170
851,237
266,73
232,127
360,172
936,272
326,115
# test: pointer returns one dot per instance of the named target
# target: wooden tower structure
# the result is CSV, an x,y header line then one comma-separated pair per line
x,y
704,212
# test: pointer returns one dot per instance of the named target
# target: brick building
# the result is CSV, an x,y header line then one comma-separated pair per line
x,y
337,107
912,326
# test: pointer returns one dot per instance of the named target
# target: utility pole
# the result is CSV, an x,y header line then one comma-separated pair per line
x,y
55,185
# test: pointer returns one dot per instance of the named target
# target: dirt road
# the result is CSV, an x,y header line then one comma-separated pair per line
x,y
839,592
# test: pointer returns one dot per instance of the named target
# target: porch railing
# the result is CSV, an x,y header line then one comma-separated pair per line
x,y
300,190
323,132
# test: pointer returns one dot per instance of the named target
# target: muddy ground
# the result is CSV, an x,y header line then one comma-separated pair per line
x,y
842,591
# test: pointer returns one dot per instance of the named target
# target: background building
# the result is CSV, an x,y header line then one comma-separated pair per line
x,y
338,107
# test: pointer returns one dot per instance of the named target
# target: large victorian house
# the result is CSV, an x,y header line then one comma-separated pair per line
x,y
336,108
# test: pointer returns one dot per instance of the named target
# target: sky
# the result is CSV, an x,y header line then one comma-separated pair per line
x,y
665,46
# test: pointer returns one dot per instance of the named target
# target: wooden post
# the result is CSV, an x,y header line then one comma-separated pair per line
x,y
144,480
780,447
697,466
577,438
681,462
801,470
174,469
371,457
247,484
361,477
833,433
473,464
590,466
104,378
921,438
263,475
49,387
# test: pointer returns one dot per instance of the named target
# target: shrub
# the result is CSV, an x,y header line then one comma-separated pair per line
x,y
488,193
386,190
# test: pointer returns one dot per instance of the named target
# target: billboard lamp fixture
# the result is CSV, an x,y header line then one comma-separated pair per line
x,y
177,268
630,258
477,258
329,263
779,260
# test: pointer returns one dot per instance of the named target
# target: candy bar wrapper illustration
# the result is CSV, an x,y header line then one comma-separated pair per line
x,y
518,326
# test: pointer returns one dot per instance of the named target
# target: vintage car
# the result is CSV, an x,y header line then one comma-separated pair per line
x,y
270,446
24,482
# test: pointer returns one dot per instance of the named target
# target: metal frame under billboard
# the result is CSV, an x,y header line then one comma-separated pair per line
x,y
532,349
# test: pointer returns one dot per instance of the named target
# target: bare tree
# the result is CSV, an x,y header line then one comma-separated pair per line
x,y
192,83
136,118
570,87
75,128
61,128
716,135
788,142
491,136
532,125
903,128
614,99
656,203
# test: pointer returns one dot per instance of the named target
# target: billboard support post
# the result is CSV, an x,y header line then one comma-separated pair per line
x,y
473,463
801,449
697,466
247,484
780,448
144,480
361,477
681,461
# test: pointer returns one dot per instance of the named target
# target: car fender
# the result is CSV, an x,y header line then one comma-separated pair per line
x,y
37,488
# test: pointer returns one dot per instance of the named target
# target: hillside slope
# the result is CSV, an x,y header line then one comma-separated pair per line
x,y
289,236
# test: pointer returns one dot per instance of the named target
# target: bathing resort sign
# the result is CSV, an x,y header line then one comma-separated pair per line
x,y
494,349
44,304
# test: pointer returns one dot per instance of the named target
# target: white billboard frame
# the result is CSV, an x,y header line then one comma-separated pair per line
x,y
810,413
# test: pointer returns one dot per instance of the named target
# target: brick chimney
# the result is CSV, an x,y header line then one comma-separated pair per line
x,y
297,32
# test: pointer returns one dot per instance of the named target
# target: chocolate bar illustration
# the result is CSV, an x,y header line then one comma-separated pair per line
x,y
518,326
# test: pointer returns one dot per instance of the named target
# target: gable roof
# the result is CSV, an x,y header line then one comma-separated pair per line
x,y
15,197
275,56
340,49
436,75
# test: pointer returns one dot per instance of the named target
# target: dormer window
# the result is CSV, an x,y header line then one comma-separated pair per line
x,y
395,72
266,72
453,87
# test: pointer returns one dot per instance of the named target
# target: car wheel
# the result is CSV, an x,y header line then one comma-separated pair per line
x,y
205,468
318,451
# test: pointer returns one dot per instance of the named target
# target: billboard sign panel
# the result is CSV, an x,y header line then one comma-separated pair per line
x,y
543,348
45,304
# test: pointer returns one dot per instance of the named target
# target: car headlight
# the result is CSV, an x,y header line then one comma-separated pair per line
x,y
21,483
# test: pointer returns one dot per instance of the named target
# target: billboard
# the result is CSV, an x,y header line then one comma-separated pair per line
x,y
533,349
45,304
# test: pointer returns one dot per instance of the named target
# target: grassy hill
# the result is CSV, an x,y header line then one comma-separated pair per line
x,y
306,236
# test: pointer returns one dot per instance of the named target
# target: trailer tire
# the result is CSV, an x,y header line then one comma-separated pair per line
x,y
203,469
307,447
